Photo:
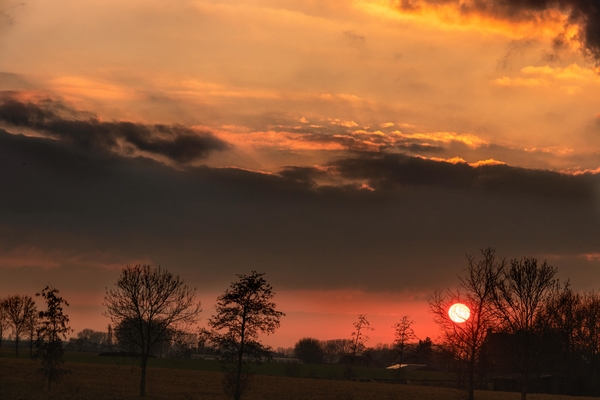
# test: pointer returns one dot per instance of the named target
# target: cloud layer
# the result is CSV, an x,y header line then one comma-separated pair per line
x,y
309,227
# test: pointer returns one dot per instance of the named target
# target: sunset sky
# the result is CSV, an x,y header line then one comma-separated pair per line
x,y
353,150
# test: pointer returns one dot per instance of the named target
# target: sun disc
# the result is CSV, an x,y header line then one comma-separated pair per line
x,y
459,313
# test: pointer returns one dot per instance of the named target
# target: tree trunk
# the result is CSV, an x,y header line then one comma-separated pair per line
x,y
238,378
17,345
524,391
471,379
143,378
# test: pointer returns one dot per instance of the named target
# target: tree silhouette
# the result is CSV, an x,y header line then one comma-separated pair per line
x,y
309,351
359,337
464,340
587,338
109,338
53,327
19,311
243,312
403,334
524,289
4,323
145,305
32,326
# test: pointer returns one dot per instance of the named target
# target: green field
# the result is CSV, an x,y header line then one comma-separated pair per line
x,y
105,378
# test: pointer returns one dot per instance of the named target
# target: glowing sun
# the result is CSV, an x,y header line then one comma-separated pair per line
x,y
459,313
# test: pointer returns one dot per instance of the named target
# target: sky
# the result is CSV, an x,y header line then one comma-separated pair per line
x,y
355,151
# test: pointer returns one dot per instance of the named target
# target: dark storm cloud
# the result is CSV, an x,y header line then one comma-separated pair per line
x,y
584,13
176,142
418,148
389,171
208,224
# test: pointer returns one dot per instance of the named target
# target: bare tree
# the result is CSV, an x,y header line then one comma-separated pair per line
x,y
4,323
477,288
109,338
587,336
403,334
32,330
146,303
359,337
559,324
20,311
524,289
243,312
53,327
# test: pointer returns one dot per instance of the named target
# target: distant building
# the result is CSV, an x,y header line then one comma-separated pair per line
x,y
407,367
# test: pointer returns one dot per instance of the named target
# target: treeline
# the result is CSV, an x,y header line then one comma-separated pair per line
x,y
561,351
314,351
20,314
174,343
49,327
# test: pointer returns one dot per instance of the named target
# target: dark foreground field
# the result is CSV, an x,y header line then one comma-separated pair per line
x,y
19,379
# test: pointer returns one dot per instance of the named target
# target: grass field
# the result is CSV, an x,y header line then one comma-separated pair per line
x,y
322,371
106,380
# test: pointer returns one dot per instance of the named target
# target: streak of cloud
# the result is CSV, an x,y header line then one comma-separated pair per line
x,y
175,142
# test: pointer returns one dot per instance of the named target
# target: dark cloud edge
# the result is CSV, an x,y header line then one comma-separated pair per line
x,y
177,143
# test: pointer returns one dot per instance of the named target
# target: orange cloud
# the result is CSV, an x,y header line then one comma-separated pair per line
x,y
276,140
453,160
346,124
463,16
444,137
490,161
556,150
571,79
581,171
459,160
